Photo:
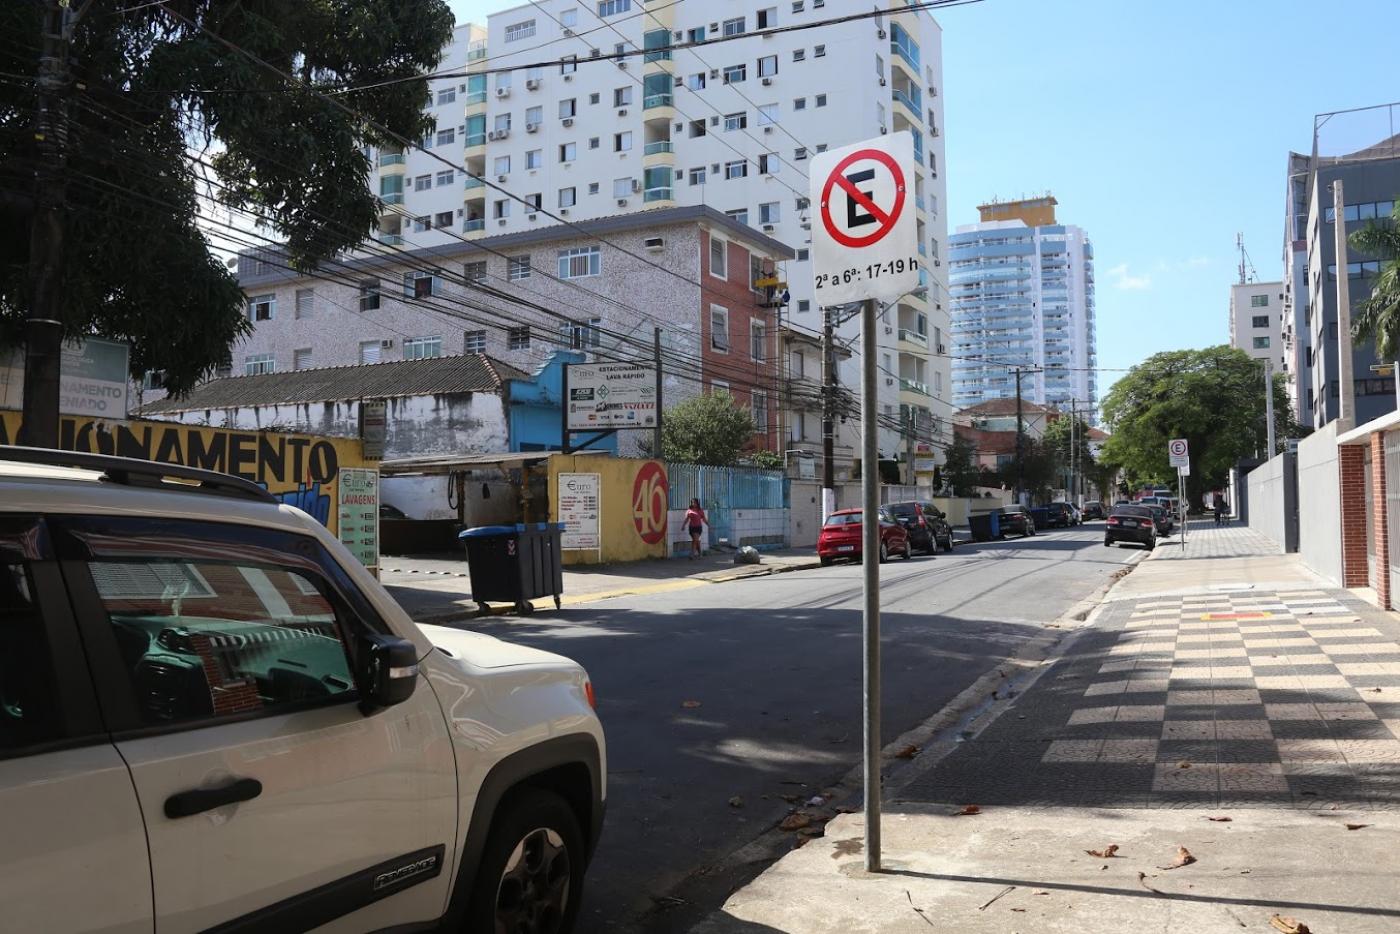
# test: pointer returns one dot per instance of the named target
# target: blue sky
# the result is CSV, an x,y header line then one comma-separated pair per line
x,y
1161,129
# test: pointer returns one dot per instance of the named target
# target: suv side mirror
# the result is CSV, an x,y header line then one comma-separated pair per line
x,y
388,672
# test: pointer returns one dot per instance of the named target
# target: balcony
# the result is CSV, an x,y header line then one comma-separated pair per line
x,y
393,198
659,146
476,97
474,182
914,337
473,223
475,139
914,386
657,194
391,239
913,101
902,45
657,100
391,158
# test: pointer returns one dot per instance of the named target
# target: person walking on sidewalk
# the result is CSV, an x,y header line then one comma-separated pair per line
x,y
1219,505
695,523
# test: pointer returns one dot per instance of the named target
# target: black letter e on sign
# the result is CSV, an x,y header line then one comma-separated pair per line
x,y
855,215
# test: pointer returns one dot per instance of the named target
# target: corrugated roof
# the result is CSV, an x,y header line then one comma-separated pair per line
x,y
1007,407
434,376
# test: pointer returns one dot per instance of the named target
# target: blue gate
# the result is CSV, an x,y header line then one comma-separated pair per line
x,y
756,498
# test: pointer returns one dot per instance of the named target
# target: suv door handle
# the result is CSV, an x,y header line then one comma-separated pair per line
x,y
188,803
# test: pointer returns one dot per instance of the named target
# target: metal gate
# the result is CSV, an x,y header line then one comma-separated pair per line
x,y
1392,508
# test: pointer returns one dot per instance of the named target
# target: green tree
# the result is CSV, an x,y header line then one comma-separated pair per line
x,y
768,460
1378,316
960,470
706,429
1039,472
149,90
1214,398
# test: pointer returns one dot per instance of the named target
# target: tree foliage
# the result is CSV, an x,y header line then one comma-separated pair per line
x,y
150,91
706,429
1377,318
960,470
1214,398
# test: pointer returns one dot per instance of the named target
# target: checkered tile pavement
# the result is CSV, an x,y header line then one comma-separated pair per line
x,y
1285,699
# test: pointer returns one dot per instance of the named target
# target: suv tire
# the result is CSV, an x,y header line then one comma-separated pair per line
x,y
531,867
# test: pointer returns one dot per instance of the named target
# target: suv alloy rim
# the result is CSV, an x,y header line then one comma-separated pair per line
x,y
534,889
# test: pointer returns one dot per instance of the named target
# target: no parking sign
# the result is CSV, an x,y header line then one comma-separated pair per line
x,y
865,241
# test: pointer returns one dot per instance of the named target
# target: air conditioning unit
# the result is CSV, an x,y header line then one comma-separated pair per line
x,y
622,63
714,169
942,348
933,92
387,343
938,262
531,216
889,329
503,92
679,127
678,82
883,131
502,134
678,36
767,82
491,135
767,228
636,185
653,244
594,53
768,129
714,121
806,225
532,128
622,111
568,77
883,82
532,83
714,73
568,31
568,121
622,202
714,27
501,178
889,380
563,212
880,34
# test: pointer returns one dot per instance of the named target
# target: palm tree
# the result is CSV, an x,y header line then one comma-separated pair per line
x,y
1378,317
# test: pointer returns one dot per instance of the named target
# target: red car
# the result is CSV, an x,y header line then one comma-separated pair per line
x,y
841,537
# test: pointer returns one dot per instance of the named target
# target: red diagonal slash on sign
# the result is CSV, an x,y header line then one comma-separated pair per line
x,y
886,219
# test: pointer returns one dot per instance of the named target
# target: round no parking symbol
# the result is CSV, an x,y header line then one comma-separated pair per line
x,y
871,185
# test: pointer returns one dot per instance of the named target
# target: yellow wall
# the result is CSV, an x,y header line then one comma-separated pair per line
x,y
302,470
617,523
1036,212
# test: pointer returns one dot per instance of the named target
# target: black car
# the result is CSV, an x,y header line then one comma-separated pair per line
x,y
1131,524
1015,519
1061,515
1093,510
927,524
1162,516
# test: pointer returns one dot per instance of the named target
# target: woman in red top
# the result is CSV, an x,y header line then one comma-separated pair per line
x,y
695,523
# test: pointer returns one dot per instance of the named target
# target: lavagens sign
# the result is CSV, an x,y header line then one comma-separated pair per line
x,y
610,395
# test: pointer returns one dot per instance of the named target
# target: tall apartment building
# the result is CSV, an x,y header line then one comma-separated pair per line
x,y
1022,294
1370,183
1297,341
1256,319
731,126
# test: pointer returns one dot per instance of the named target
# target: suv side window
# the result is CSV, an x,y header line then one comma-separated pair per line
x,y
199,621
29,711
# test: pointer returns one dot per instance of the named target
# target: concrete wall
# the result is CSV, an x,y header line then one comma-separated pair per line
x,y
426,497
1273,500
633,520
1319,504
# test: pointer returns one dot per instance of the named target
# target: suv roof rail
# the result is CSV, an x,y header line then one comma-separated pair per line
x,y
130,471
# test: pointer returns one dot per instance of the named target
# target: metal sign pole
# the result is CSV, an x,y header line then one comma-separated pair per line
x,y
870,527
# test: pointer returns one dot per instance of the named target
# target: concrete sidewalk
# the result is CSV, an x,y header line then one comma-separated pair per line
x,y
1221,701
438,588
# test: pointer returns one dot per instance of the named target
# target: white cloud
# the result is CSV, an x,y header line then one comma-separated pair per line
x,y
1122,279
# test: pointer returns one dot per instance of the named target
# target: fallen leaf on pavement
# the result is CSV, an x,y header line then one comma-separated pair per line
x,y
1040,892
1006,891
690,704
968,810
1221,820
1356,826
847,848
794,822
908,752
736,802
1107,852
1183,858
1289,925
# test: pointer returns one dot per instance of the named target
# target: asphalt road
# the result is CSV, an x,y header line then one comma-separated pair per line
x,y
775,666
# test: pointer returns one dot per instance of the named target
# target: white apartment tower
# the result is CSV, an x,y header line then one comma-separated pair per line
x,y
731,125
1256,321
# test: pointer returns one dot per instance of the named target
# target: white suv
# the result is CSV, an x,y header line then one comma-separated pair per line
x,y
213,718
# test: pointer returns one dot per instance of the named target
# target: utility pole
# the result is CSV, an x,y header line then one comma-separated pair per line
x,y
870,583
911,429
43,331
1020,453
1346,409
656,433
828,416
1073,454
1269,404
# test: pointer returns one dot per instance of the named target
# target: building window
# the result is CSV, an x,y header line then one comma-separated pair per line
x,y
568,108
445,137
568,152
421,224
474,342
306,303
799,103
423,183
533,202
592,188
719,258
819,51
534,158
799,55
695,35
522,30
821,100
503,165
622,142
803,254
736,169
767,66
767,114
758,341
1260,321
799,154
613,7
580,262
518,338
369,351
593,142
568,197
719,329
369,295
622,97
446,96
738,215
759,406
258,363
768,163
568,65
733,74
518,267
804,304
443,220
262,307
732,27
446,177
622,187
696,82
769,213
534,116
766,19
1258,301
1261,343
584,336
421,284
696,176
421,348
501,208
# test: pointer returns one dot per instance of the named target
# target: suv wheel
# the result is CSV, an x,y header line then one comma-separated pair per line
x,y
531,873
884,552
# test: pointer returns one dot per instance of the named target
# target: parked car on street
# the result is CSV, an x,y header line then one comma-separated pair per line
x,y
1061,515
841,537
927,525
1130,524
195,677
1162,516
1093,510
1015,519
